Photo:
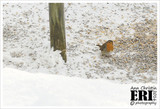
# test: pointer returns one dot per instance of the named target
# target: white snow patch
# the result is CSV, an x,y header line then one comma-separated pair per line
x,y
22,89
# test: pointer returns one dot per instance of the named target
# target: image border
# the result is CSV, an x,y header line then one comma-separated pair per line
x,y
79,1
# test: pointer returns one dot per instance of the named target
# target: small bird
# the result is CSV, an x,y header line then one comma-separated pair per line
x,y
106,48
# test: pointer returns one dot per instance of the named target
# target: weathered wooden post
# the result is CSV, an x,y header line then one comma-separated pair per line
x,y
57,28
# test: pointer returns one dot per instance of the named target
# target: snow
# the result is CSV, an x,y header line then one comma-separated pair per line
x,y
25,89
26,44
35,75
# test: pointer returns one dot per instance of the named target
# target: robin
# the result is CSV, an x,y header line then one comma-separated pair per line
x,y
106,48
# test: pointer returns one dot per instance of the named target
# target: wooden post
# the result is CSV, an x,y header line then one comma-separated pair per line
x,y
57,28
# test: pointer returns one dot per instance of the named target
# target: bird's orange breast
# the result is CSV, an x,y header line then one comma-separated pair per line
x,y
109,46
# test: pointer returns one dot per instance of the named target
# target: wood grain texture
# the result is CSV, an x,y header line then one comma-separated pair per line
x,y
57,28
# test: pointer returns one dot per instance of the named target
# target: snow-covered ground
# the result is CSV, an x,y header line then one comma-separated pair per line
x,y
24,89
26,44
35,75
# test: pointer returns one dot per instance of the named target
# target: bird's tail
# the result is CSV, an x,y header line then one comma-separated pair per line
x,y
98,45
